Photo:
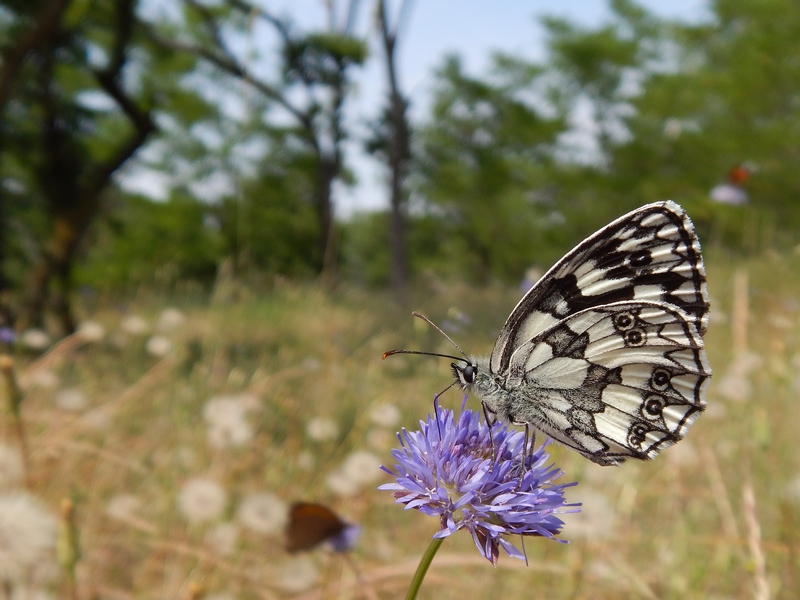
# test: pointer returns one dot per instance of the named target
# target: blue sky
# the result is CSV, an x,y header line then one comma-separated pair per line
x,y
475,28
472,29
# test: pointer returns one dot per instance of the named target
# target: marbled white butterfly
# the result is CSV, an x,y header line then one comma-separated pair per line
x,y
605,353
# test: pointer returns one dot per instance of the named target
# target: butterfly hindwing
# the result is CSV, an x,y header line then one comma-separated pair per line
x,y
651,254
621,380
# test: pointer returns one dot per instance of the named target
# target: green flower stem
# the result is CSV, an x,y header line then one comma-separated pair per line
x,y
422,568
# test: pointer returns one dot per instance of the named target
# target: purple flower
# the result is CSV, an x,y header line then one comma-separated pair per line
x,y
7,335
448,469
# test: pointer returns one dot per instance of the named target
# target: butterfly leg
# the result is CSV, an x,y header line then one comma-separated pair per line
x,y
436,415
489,423
436,409
525,448
530,443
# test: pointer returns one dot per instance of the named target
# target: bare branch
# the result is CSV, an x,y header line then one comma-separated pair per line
x,y
226,62
280,25
403,17
109,80
210,23
352,13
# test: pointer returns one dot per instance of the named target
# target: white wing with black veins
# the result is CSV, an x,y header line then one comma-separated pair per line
x,y
621,380
651,255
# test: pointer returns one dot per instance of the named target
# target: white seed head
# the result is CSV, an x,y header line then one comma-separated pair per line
x,y
27,538
35,339
201,500
12,470
322,429
263,513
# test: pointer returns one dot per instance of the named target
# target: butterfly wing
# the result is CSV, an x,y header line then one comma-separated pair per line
x,y
622,380
651,254
311,524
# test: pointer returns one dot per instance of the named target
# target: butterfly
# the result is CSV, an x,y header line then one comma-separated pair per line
x,y
312,524
605,352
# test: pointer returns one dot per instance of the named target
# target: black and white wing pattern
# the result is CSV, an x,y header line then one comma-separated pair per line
x,y
605,353
623,380
651,254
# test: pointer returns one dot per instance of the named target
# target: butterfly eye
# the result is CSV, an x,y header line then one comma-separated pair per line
x,y
469,373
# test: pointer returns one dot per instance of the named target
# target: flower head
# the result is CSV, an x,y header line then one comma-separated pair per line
x,y
158,346
12,470
35,339
71,399
202,500
7,335
134,325
170,319
262,512
322,429
357,470
228,426
449,469
91,331
27,538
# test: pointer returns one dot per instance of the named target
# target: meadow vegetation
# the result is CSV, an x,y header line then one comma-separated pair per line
x,y
178,368
181,425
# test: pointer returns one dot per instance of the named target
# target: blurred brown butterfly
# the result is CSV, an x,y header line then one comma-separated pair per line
x,y
312,524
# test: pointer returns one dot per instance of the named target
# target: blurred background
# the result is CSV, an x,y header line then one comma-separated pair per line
x,y
215,215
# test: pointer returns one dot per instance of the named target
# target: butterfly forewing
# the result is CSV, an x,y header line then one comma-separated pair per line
x,y
625,379
651,254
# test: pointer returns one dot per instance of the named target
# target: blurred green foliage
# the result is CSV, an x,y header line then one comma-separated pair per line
x,y
510,168
152,242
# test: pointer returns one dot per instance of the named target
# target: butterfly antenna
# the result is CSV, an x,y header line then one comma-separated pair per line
x,y
439,329
391,352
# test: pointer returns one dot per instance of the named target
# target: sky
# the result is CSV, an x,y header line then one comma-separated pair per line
x,y
472,29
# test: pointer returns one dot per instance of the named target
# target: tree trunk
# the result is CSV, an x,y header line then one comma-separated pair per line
x,y
399,153
398,159
328,170
55,269
72,184
11,63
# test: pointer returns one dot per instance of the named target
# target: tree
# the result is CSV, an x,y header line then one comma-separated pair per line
x,y
30,32
688,101
303,105
71,120
393,139
485,158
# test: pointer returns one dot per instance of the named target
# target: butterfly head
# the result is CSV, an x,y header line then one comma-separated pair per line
x,y
465,374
